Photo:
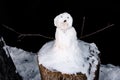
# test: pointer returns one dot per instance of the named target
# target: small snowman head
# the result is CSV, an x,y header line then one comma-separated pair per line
x,y
63,21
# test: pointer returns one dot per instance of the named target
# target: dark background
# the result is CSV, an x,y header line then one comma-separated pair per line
x,y
36,17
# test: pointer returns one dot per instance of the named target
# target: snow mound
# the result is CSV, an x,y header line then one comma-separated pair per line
x,y
68,63
109,72
19,56
25,62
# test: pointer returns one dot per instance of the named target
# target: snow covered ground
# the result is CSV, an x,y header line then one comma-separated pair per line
x,y
25,62
109,72
27,66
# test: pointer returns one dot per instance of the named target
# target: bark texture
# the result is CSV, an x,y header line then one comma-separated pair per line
x,y
50,75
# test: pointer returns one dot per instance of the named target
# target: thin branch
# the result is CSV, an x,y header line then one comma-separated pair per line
x,y
25,35
21,35
11,29
97,31
82,28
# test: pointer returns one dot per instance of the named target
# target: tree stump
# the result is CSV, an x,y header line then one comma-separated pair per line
x,y
54,75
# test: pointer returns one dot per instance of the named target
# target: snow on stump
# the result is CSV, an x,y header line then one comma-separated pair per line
x,y
66,57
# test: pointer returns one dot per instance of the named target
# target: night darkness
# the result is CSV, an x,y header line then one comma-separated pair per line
x,y
36,17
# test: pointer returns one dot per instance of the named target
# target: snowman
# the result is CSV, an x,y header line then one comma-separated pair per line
x,y
63,54
65,36
67,54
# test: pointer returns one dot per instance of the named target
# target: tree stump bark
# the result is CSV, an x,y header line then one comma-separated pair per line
x,y
50,75
55,75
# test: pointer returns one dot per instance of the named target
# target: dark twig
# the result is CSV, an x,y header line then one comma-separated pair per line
x,y
82,28
21,35
97,31
11,29
25,35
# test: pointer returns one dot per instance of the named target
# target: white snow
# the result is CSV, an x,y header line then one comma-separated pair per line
x,y
19,56
25,62
5,47
109,72
63,21
66,53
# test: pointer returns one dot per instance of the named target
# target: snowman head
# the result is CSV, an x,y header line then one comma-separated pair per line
x,y
63,21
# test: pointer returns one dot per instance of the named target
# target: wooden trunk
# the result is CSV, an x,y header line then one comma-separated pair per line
x,y
50,75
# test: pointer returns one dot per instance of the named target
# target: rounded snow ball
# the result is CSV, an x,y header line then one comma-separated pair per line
x,y
63,21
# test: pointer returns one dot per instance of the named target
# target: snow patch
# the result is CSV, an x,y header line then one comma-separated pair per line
x,y
25,62
109,72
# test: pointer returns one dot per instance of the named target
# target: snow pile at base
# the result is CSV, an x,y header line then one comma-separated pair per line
x,y
109,72
27,66
25,62
70,63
